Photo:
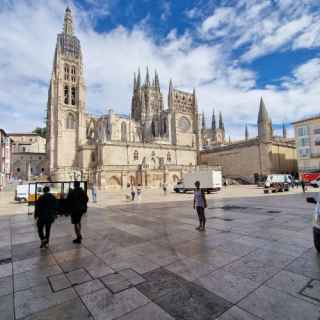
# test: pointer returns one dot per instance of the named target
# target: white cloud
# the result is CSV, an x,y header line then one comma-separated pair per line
x,y
27,39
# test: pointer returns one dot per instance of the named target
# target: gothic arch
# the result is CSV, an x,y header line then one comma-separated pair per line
x,y
114,182
70,121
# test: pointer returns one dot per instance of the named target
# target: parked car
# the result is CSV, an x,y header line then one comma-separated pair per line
x,y
316,222
315,183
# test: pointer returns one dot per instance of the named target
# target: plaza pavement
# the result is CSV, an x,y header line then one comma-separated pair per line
x,y
142,261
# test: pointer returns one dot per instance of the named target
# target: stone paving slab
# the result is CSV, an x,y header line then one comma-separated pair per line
x,y
268,303
105,306
146,261
73,309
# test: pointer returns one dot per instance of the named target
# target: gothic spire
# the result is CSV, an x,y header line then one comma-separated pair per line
x,y
170,95
263,113
156,80
195,102
284,130
246,133
138,84
213,121
147,82
134,82
221,124
68,23
203,121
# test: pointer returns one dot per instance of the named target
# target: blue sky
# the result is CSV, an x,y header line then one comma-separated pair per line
x,y
232,52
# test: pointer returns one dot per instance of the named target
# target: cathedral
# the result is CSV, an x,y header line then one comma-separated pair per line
x,y
152,145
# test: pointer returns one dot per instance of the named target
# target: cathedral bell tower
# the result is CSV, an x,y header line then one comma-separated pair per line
x,y
66,104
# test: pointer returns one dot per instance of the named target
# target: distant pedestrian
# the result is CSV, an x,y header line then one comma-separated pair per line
x,y
199,204
164,188
77,203
45,213
303,185
94,193
133,192
139,192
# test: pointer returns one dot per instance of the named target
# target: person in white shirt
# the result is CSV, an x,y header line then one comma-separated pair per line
x,y
199,204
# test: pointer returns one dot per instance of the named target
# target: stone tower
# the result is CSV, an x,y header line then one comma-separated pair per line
x,y
147,105
66,104
264,123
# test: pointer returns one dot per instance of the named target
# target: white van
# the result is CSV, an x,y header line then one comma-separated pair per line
x,y
278,182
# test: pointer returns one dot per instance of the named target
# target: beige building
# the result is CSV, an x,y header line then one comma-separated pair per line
x,y
151,146
307,134
250,158
5,158
29,158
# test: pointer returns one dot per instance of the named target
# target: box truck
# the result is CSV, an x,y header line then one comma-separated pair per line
x,y
210,180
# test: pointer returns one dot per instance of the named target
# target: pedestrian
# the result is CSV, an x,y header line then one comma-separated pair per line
x,y
303,185
133,192
94,193
199,204
139,192
164,188
45,213
77,203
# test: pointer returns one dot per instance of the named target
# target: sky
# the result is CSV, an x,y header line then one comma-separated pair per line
x,y
231,51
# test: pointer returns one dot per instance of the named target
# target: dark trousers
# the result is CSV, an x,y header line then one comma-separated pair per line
x,y
44,225
133,194
201,215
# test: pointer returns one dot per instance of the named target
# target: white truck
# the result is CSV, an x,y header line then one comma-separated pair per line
x,y
210,180
278,182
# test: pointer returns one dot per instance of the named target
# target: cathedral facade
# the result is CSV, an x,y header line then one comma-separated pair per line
x,y
152,145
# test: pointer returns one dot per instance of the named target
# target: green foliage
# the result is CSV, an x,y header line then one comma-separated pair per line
x,y
40,131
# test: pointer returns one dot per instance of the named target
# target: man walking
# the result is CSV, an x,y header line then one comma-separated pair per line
x,y
94,193
200,203
45,212
77,203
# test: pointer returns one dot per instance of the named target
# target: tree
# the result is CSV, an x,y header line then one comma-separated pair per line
x,y
40,131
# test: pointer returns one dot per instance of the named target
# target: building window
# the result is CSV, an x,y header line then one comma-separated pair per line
x,y
70,122
42,169
66,95
153,153
18,169
93,157
169,157
39,158
135,155
66,72
23,149
73,96
303,142
302,131
316,131
304,152
317,141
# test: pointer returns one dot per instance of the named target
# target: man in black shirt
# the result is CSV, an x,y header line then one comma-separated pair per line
x,y
77,203
45,212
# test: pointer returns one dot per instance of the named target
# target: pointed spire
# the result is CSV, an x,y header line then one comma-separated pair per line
x,y
147,82
213,121
203,121
221,124
134,82
138,84
170,87
68,23
156,80
263,113
246,133
195,102
284,130
170,95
